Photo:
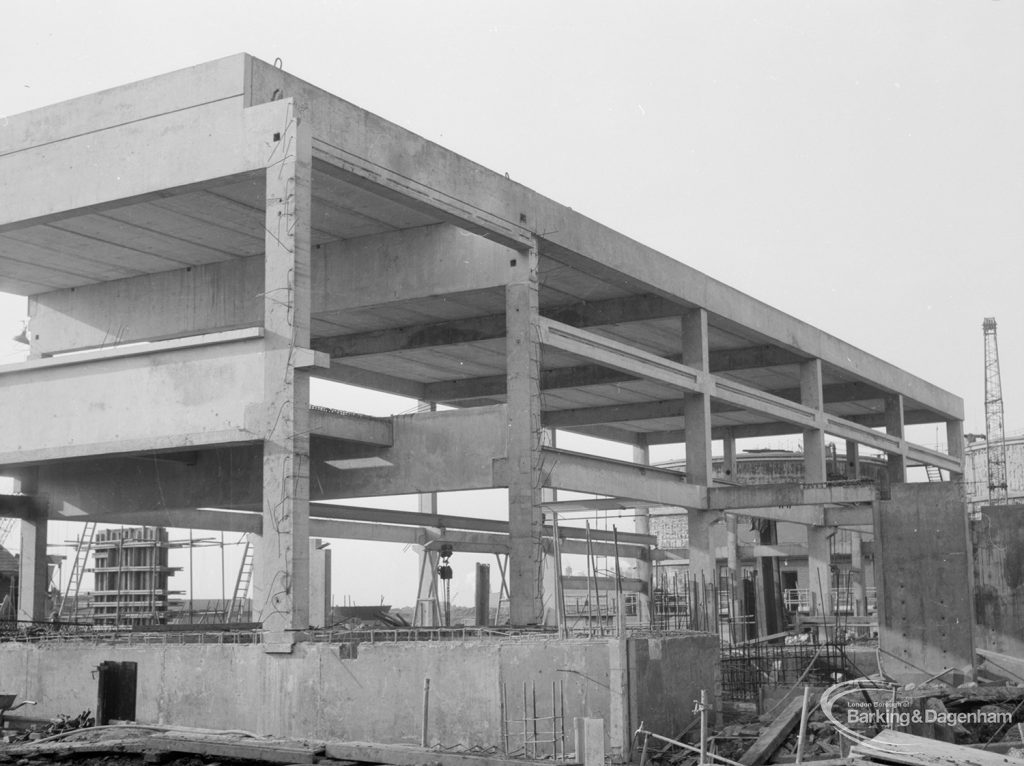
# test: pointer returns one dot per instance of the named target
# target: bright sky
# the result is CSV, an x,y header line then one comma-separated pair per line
x,y
857,164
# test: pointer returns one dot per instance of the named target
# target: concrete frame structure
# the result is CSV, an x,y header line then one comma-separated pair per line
x,y
197,246
740,550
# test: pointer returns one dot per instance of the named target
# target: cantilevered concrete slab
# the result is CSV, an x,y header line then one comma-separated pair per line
x,y
197,246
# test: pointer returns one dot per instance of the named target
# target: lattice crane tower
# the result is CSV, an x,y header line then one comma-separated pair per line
x,y
994,431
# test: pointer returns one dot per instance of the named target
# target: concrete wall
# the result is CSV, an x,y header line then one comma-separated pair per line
x,y
998,542
322,691
924,575
671,669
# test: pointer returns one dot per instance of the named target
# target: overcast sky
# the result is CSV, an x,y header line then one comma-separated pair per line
x,y
859,164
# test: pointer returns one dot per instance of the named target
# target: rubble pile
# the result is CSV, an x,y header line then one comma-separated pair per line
x,y
982,717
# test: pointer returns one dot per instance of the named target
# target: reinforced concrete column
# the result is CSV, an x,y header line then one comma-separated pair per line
x,y
819,559
697,424
732,540
522,351
955,445
33,572
428,612
897,464
551,577
852,461
857,582
642,455
281,581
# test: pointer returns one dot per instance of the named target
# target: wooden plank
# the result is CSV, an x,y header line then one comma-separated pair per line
x,y
1003,664
772,737
403,755
896,747
223,747
67,749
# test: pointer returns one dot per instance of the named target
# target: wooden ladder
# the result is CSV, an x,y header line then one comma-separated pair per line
x,y
74,585
242,582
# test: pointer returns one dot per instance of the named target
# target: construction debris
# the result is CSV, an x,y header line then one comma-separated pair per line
x,y
165,744
894,747
769,739
867,721
59,725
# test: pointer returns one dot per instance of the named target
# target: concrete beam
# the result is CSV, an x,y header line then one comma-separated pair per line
x,y
628,584
375,381
420,336
134,160
587,505
464,392
199,300
777,551
461,541
595,249
204,83
811,515
86,490
612,311
21,506
597,548
174,394
248,522
347,426
785,495
648,366
446,522
464,541
689,379
432,452
405,265
225,477
351,274
492,327
615,413
562,469
746,431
